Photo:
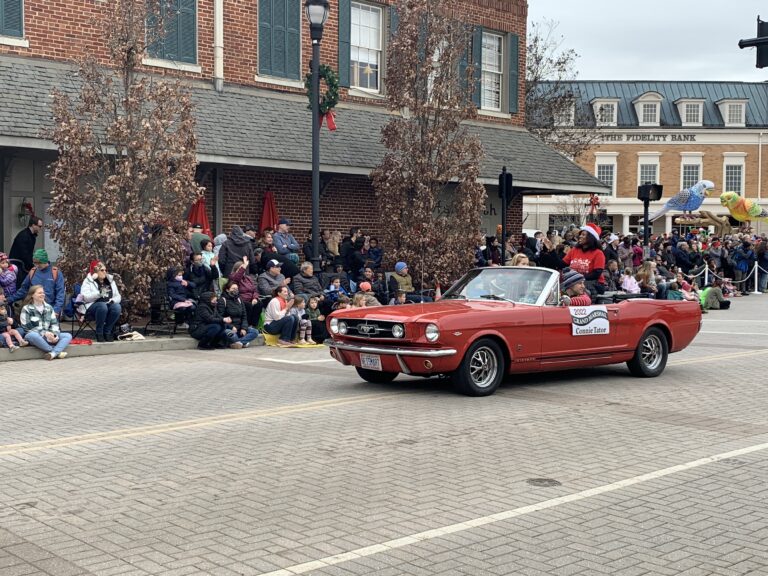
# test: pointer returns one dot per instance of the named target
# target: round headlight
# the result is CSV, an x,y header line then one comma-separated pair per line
x,y
432,332
335,325
398,331
342,328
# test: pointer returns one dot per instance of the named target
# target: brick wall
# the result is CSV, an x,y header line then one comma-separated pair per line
x,y
347,201
65,30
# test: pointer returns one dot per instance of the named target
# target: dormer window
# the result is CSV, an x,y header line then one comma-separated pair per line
x,y
648,108
605,111
691,111
733,112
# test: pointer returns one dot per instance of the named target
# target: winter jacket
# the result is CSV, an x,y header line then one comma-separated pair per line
x,y
8,281
233,307
267,283
91,292
245,284
625,256
683,259
202,277
23,247
743,258
33,321
176,291
205,314
308,285
54,288
374,257
237,246
285,243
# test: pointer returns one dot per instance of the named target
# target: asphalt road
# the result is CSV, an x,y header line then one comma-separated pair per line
x,y
281,461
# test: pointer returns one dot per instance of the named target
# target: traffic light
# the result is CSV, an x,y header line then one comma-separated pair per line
x,y
760,42
650,192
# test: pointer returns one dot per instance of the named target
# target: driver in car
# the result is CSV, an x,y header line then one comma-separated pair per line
x,y
574,291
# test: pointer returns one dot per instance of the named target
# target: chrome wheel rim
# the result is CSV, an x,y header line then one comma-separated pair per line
x,y
483,367
652,352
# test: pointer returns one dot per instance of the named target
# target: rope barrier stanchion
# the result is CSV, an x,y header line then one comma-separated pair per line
x,y
754,271
706,276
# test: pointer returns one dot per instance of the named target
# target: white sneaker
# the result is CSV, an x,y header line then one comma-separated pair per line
x,y
50,356
62,355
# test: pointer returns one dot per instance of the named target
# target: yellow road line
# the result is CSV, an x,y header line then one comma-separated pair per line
x,y
25,447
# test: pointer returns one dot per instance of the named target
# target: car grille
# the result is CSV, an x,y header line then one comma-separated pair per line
x,y
370,328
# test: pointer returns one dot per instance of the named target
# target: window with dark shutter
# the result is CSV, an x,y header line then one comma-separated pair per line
x,y
280,38
179,39
12,18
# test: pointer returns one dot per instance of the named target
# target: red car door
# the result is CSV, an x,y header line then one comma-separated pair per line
x,y
576,334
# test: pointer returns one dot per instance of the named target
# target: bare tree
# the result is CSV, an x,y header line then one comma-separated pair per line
x,y
576,210
125,173
427,183
553,110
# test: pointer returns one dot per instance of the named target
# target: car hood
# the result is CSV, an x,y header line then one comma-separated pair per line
x,y
430,311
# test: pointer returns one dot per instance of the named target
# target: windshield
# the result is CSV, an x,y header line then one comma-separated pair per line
x,y
524,285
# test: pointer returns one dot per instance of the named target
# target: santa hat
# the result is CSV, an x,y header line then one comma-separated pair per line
x,y
93,265
592,229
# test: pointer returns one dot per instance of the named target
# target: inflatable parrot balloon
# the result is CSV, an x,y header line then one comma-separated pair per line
x,y
743,209
687,200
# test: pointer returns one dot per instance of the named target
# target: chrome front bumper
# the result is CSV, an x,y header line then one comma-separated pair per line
x,y
398,353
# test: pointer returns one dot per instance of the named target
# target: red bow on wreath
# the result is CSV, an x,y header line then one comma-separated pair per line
x,y
594,203
329,117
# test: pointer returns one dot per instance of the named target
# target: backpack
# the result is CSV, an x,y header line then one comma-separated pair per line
x,y
34,269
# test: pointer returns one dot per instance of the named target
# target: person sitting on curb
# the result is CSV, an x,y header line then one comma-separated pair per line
x,y
299,310
239,333
208,327
277,320
574,291
712,297
317,318
7,331
101,301
47,276
41,326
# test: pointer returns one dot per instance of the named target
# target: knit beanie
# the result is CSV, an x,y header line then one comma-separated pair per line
x,y
570,277
365,286
41,256
400,266
93,265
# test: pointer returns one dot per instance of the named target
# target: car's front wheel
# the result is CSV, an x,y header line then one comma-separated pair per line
x,y
651,354
375,376
482,369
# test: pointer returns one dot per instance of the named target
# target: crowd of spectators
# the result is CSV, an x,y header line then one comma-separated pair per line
x,y
697,266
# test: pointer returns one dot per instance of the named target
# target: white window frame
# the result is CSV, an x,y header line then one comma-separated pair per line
x,y
647,99
379,50
598,105
608,159
499,74
682,110
691,159
725,107
735,159
648,159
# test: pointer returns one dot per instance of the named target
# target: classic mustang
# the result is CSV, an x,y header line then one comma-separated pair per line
x,y
504,320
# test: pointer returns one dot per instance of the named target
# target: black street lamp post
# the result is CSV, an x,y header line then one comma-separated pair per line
x,y
317,14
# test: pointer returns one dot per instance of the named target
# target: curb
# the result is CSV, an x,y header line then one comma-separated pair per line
x,y
111,348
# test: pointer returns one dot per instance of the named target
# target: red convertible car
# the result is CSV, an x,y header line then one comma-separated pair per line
x,y
503,320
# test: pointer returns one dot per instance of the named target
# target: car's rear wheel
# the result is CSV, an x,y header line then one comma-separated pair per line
x,y
375,376
651,355
482,369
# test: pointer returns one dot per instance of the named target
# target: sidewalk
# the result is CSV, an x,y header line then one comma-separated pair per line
x,y
151,344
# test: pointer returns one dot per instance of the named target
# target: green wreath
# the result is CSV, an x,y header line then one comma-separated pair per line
x,y
331,97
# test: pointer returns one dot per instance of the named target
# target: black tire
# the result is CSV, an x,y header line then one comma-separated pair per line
x,y
482,369
651,355
375,376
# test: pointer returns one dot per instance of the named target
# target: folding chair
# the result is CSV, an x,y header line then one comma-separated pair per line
x,y
160,319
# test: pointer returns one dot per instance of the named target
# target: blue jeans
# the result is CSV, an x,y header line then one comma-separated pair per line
x,y
106,315
37,340
287,327
233,335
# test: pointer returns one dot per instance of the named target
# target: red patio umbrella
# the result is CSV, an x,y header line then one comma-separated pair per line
x,y
198,215
269,216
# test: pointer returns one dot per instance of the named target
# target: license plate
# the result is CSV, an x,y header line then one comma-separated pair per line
x,y
370,361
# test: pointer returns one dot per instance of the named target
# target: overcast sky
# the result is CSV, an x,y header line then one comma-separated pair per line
x,y
657,39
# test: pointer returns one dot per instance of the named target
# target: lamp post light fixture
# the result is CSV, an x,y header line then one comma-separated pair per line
x,y
317,14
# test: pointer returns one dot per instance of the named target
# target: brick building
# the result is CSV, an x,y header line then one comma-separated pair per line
x,y
245,61
670,133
